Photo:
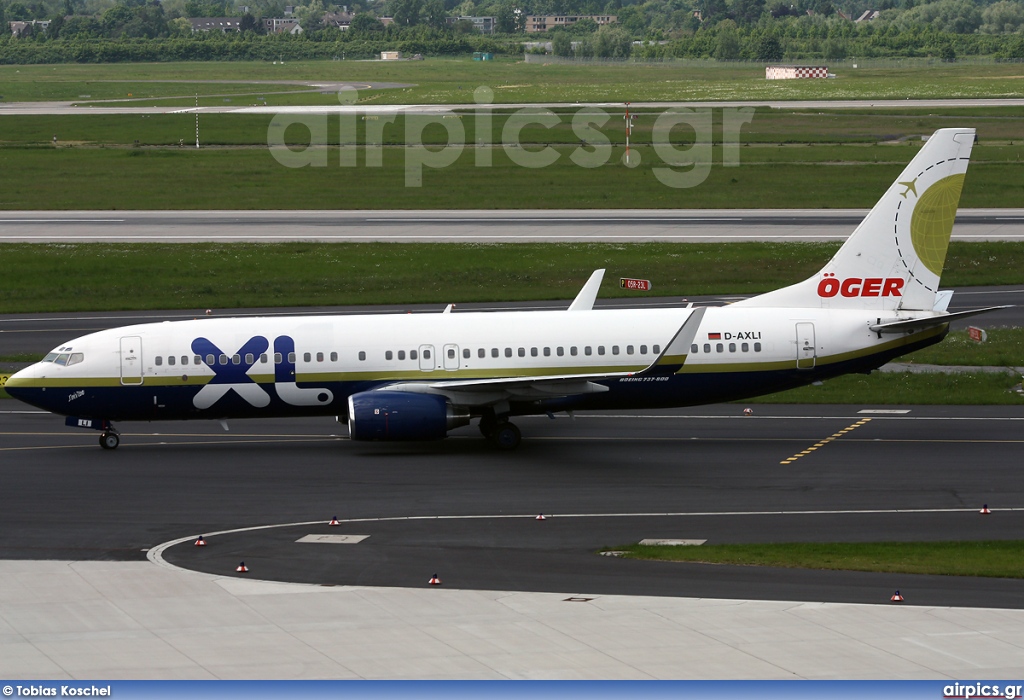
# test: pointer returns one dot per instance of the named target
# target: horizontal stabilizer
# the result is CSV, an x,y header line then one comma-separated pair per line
x,y
917,324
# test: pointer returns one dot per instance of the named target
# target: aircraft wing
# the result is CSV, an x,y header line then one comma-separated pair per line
x,y
917,324
480,392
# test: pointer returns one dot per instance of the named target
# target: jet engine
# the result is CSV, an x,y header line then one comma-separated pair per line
x,y
401,415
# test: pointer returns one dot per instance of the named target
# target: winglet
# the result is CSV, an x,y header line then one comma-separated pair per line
x,y
584,301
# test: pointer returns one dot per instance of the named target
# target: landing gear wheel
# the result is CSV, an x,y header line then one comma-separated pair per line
x,y
506,437
109,441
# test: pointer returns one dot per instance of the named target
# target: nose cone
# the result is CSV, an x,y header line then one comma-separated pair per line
x,y
18,385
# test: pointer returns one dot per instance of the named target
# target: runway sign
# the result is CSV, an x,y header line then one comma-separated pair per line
x,y
635,285
976,334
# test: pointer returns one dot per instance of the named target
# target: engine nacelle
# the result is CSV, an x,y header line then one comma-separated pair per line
x,y
401,415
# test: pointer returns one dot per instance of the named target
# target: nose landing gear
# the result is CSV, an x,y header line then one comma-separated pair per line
x,y
110,440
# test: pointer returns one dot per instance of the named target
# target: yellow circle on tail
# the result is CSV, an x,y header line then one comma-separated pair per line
x,y
932,221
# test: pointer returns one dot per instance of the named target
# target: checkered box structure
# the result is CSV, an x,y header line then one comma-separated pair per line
x,y
793,72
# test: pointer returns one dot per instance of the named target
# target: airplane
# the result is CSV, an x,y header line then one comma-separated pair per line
x,y
418,376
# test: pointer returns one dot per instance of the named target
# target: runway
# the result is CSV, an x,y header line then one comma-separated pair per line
x,y
466,512
131,107
499,226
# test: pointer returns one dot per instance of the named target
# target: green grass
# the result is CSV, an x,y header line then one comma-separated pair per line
x,y
768,127
905,388
1004,348
98,276
448,81
992,558
184,178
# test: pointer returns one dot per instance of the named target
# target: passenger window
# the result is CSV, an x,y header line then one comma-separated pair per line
x,y
745,347
362,355
707,347
401,354
600,349
249,358
573,351
587,350
732,347
643,349
508,352
451,353
533,352
466,354
75,358
170,360
560,351
413,355
159,360
547,352
494,352
184,359
693,349
656,349
198,360
481,353
522,352
278,358
388,355
209,360
426,355
757,347
319,357
334,356
223,359
719,347
291,357
629,349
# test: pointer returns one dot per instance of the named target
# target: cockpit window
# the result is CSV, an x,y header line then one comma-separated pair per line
x,y
62,359
50,357
75,358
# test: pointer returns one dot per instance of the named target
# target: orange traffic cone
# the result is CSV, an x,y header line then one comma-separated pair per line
x,y
334,522
242,568
896,597
540,517
984,510
435,581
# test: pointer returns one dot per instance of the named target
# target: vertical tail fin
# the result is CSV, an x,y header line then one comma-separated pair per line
x,y
894,259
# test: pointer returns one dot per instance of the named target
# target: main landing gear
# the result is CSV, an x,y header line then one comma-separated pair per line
x,y
109,440
502,434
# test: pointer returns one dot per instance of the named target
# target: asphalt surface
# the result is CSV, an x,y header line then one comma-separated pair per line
x,y
706,473
39,333
126,107
695,226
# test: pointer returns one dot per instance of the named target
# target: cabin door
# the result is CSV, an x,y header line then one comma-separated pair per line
x,y
131,360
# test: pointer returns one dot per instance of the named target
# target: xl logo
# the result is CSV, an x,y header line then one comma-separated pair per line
x,y
231,373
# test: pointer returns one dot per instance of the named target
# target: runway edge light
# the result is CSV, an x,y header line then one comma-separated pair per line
x,y
334,522
541,517
984,510
200,542
242,568
896,597
435,581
